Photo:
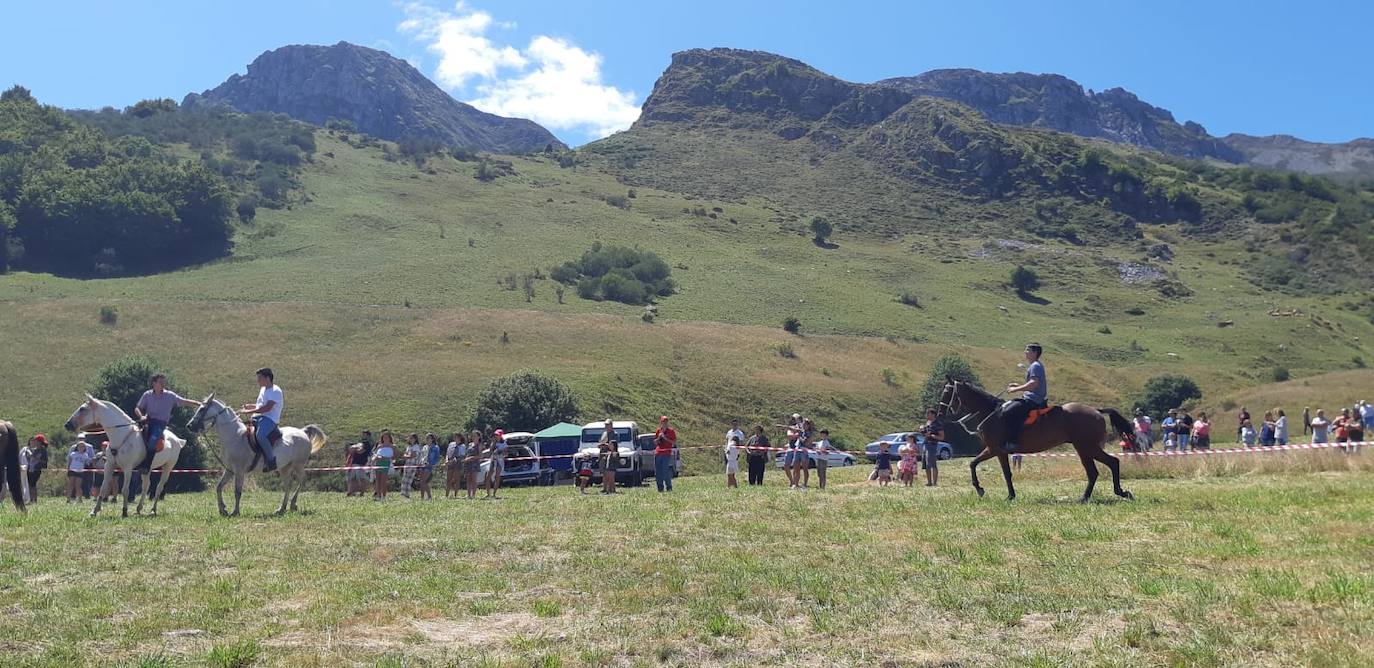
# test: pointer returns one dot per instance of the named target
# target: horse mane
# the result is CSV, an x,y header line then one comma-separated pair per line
x,y
987,396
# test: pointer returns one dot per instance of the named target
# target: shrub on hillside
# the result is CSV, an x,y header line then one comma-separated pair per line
x,y
617,273
952,366
1162,393
1024,280
123,381
791,325
524,400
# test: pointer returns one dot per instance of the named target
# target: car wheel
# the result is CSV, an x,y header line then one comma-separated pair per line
x,y
849,461
944,453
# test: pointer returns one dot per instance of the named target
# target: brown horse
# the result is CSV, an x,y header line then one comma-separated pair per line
x,y
1074,423
9,461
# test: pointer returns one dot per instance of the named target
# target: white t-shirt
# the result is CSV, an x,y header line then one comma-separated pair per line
x,y
734,433
77,460
383,452
266,394
823,446
415,453
731,454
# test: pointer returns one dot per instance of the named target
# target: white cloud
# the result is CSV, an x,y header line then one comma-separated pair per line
x,y
551,81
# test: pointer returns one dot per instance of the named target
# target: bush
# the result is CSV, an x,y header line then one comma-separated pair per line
x,y
247,208
785,349
618,201
890,377
525,400
952,366
821,229
617,273
1162,393
910,299
1024,280
791,325
123,381
1104,330
109,315
1281,374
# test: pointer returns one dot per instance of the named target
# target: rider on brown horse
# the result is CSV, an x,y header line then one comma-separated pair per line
x,y
1014,413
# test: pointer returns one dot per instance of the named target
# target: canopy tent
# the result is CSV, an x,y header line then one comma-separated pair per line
x,y
560,441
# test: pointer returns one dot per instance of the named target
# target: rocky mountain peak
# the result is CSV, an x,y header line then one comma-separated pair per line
x,y
381,95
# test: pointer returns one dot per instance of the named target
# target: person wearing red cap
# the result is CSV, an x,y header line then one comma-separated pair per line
x,y
34,457
665,442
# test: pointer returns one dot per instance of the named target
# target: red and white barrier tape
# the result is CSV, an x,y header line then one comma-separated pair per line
x,y
747,449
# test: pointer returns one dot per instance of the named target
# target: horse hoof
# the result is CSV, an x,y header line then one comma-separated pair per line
x,y
1011,497
279,512
1127,495
234,514
980,491
223,512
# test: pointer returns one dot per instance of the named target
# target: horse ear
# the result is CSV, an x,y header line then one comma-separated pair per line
x,y
209,398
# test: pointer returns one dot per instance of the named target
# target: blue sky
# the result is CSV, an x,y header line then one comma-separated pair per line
x,y
582,68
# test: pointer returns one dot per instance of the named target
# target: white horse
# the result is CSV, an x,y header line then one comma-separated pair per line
x,y
293,453
126,450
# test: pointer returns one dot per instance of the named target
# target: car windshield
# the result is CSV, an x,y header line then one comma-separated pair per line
x,y
891,438
593,436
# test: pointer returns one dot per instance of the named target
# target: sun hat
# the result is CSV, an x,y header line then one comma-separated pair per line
x,y
41,438
499,433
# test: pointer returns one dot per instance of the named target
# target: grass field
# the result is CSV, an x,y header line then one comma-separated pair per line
x,y
1254,562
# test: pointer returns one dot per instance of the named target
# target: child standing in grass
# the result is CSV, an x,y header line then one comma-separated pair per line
x,y
1268,435
77,460
883,468
382,457
411,460
584,470
732,462
1247,434
906,468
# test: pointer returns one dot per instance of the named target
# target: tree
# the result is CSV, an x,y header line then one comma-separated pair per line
x,y
123,381
791,325
951,366
1164,392
523,400
821,229
1024,280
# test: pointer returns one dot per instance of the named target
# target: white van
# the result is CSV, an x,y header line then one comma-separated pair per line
x,y
632,467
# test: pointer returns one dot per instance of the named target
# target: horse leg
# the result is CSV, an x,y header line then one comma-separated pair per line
x,y
1115,465
128,482
219,491
146,479
1006,473
104,482
983,456
238,492
285,479
300,483
1090,468
162,484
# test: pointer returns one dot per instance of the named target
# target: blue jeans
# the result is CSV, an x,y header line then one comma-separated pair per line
x,y
663,472
265,425
155,431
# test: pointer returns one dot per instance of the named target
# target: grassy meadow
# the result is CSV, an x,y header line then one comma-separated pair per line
x,y
1254,560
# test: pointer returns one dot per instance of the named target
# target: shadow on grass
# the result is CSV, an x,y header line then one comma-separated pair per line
x,y
1032,299
828,245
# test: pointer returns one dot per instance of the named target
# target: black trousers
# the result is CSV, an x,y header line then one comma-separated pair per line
x,y
1014,414
757,465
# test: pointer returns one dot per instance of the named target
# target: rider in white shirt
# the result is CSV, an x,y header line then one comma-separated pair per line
x,y
266,414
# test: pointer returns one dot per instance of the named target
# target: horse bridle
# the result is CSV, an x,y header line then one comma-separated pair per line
x,y
955,405
123,441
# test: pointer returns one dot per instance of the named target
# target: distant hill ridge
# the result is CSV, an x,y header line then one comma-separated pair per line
x,y
381,95
726,78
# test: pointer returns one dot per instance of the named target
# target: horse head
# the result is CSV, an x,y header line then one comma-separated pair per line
x,y
209,409
87,413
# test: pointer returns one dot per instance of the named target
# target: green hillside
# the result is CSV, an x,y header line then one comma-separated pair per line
x,y
380,297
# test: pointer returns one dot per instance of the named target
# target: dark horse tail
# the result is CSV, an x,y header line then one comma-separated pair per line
x,y
1120,424
9,448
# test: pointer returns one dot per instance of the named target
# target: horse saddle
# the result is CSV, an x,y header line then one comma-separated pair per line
x,y
274,438
161,442
1037,413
